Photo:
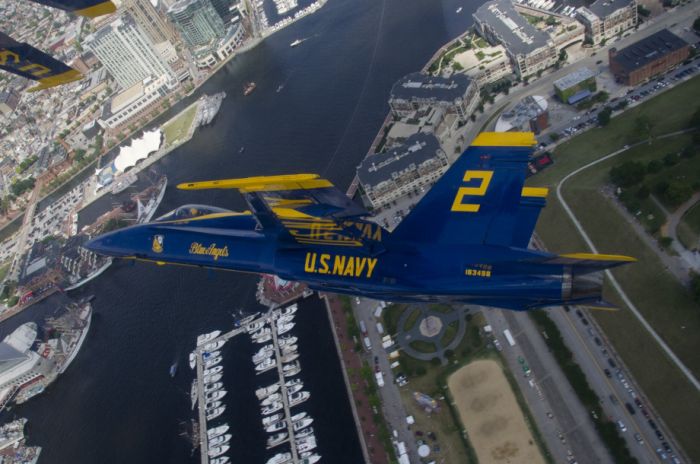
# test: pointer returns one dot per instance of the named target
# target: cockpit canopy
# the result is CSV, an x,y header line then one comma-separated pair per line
x,y
191,211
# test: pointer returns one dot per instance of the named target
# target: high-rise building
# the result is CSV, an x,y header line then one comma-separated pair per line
x,y
127,52
198,22
223,9
150,20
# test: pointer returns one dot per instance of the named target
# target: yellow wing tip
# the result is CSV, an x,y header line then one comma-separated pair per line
x,y
505,139
59,79
540,192
97,10
254,183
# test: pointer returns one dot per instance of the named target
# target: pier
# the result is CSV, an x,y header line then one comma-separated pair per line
x,y
283,390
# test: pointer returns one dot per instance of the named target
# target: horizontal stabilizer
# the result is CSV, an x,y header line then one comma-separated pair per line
x,y
589,262
87,8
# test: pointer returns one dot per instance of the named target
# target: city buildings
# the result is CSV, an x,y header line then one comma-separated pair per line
x,y
416,164
457,94
484,64
128,53
529,114
198,22
575,86
150,20
19,365
647,58
604,19
529,49
9,100
133,103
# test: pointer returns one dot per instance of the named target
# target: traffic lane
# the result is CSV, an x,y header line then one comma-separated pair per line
x,y
566,407
593,362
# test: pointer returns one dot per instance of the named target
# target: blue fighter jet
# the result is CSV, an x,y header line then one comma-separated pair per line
x,y
465,241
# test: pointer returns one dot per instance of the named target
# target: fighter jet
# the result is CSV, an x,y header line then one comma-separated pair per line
x,y
24,60
465,241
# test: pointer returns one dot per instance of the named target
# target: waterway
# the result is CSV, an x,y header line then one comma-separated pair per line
x,y
116,403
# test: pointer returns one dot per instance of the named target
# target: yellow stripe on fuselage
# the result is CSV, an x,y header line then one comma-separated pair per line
x,y
97,10
505,139
540,192
596,257
59,79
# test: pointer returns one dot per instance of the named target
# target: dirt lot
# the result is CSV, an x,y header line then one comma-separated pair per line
x,y
491,416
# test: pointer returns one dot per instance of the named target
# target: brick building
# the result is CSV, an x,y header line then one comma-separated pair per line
x,y
647,58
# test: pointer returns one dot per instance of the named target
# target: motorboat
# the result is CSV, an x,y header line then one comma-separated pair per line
x,y
211,355
212,378
304,432
220,440
306,443
193,360
213,404
280,458
310,458
299,416
218,451
193,393
263,357
292,372
212,362
214,413
289,310
264,352
264,338
276,439
213,370
212,387
204,338
220,460
295,388
302,424
291,383
216,431
298,398
290,366
215,396
261,333
287,358
285,319
289,349
269,420
296,42
255,326
276,427
288,340
213,346
284,328
271,399
173,370
267,391
274,407
267,364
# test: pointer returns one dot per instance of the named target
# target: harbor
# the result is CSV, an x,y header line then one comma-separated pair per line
x,y
288,429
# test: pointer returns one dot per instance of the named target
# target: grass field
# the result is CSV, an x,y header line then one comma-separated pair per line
x,y
689,228
663,301
178,127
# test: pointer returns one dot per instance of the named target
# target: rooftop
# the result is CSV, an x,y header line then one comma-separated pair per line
x,y
417,149
574,78
649,49
603,8
519,117
418,85
514,31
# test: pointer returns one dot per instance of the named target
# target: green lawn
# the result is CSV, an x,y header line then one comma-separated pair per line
x,y
178,127
689,228
450,333
412,318
663,301
423,346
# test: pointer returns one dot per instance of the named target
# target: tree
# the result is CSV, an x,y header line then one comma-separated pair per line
x,y
678,192
642,127
695,120
670,159
628,174
654,166
79,155
643,192
604,116
696,25
695,285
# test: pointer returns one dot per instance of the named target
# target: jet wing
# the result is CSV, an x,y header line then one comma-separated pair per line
x,y
311,210
88,8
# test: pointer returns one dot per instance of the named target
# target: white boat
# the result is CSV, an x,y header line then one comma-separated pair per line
x,y
295,388
267,364
306,443
304,432
218,451
289,349
255,326
459,10
276,439
309,458
289,310
299,416
204,338
288,340
295,43
298,398
213,346
211,355
213,405
290,366
269,420
285,327
220,460
261,333
213,387
209,363
214,413
267,391
272,408
212,378
292,372
216,431
291,383
213,370
302,424
264,357
193,393
264,338
264,351
285,319
220,440
215,396
276,427
271,399
280,458
289,357
193,360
